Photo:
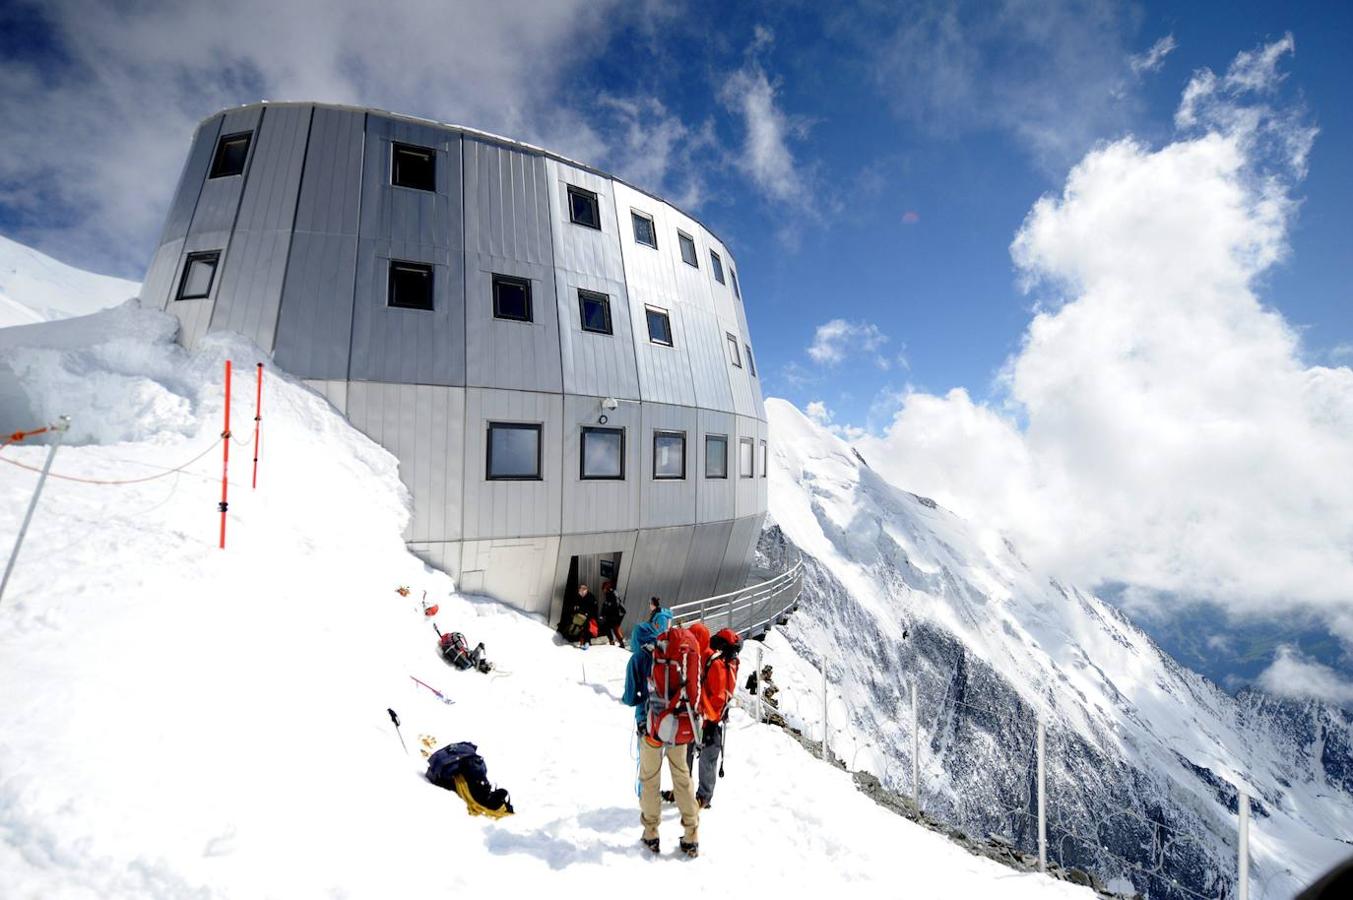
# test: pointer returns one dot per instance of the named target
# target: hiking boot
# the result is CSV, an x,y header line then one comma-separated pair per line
x,y
651,844
668,797
692,850
703,801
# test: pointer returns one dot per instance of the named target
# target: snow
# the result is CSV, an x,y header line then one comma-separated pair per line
x,y
36,288
182,721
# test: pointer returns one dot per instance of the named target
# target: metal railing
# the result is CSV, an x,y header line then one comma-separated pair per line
x,y
750,610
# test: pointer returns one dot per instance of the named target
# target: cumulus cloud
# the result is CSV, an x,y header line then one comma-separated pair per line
x,y
1158,426
818,411
1153,58
838,340
1294,675
766,156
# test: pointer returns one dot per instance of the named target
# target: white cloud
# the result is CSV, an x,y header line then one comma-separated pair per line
x,y
655,149
1153,58
766,156
1341,353
818,412
838,340
1294,675
1158,426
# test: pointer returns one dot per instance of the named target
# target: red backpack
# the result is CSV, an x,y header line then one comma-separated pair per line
x,y
674,688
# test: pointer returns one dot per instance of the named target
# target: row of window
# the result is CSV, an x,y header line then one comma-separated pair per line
x,y
514,454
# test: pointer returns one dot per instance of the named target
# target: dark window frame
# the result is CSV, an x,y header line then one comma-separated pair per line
x,y
722,439
667,317
669,432
411,264
199,256
218,158
431,152
537,427
716,265
751,361
694,261
583,296
750,442
582,453
732,340
635,215
737,290
765,461
591,197
518,281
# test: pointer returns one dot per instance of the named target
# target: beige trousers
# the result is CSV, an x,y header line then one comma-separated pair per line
x,y
650,801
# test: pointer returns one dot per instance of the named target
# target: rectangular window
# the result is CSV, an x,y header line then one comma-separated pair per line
x,y
512,298
410,285
733,350
199,271
746,452
413,167
514,452
603,454
595,310
717,265
687,249
659,326
669,454
644,232
737,292
751,363
716,456
583,208
764,460
231,152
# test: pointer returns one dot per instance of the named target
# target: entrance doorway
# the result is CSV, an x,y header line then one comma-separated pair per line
x,y
592,569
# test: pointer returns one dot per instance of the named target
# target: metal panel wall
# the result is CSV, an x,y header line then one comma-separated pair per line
x,y
251,283
704,564
664,372
509,509
710,371
762,479
158,285
600,505
740,310
741,550
715,496
424,426
746,488
516,571
507,231
599,365
410,346
191,180
220,197
668,502
314,331
659,561
725,306
571,545
444,555
336,392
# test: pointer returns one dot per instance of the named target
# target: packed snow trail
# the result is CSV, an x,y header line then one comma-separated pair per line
x,y
180,721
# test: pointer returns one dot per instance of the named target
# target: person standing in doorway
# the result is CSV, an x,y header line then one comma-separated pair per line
x,y
612,614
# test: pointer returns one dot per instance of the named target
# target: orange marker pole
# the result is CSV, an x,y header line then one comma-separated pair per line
x,y
258,419
225,454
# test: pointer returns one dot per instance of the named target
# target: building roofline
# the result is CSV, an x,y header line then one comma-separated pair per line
x,y
477,133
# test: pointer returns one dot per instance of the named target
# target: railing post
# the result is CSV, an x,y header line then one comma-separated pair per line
x,y
915,752
824,707
59,431
1042,800
1243,849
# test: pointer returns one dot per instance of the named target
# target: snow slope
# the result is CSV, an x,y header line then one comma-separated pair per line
x,y
1144,755
181,721
36,288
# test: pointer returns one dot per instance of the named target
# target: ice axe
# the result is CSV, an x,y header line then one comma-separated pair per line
x,y
394,718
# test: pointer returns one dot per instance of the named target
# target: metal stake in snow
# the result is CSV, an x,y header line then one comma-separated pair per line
x,y
824,709
225,454
394,718
1243,849
60,427
915,752
1042,802
258,420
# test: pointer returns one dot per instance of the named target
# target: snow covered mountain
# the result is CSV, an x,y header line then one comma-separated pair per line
x,y
1144,756
36,288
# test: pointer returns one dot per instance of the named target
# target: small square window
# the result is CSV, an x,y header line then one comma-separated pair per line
x,y
751,363
746,454
512,298
733,350
595,310
410,285
764,460
603,454
231,152
716,456
414,167
737,292
669,455
644,232
199,271
687,249
513,452
659,326
717,265
583,208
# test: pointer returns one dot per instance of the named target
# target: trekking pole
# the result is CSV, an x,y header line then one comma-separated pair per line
x,y
59,430
258,419
394,718
723,739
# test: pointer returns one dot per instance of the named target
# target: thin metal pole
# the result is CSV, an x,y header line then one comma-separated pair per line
x,y
915,752
258,419
824,708
1042,801
60,428
225,455
1243,850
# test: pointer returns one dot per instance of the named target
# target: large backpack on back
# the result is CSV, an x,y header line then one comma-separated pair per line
x,y
674,688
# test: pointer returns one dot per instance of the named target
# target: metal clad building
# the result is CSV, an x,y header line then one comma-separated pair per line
x,y
560,362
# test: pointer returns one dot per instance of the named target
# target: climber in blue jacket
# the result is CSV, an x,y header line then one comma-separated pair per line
x,y
642,637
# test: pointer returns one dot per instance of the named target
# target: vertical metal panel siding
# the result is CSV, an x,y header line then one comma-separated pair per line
x,y
600,365
516,571
409,345
157,288
336,392
600,505
746,489
220,197
191,180
762,482
314,330
704,564
664,372
505,509
659,561
715,496
740,309
725,307
710,369
444,555
667,502
737,561
507,231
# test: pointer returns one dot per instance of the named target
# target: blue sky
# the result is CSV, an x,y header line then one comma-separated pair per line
x,y
1169,417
